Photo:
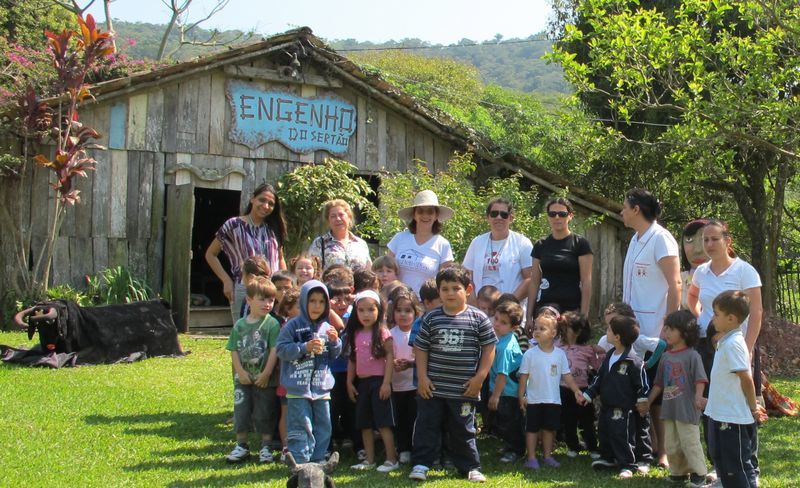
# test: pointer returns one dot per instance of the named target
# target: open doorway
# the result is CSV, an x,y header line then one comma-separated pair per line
x,y
211,209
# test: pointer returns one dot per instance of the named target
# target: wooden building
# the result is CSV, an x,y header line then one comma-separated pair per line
x,y
188,143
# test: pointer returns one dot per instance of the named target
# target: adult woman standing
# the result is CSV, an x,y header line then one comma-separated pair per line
x,y
501,257
725,271
651,274
562,264
259,231
339,245
420,250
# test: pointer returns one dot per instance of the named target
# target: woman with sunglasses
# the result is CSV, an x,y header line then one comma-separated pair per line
x,y
501,257
562,264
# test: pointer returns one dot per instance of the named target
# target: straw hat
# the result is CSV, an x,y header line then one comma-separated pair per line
x,y
426,198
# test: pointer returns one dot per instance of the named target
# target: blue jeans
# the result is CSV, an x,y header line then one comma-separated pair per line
x,y
308,429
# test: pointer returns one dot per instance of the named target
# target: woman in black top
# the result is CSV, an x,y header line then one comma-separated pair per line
x,y
562,264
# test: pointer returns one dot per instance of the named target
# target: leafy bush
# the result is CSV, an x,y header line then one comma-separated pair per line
x,y
66,292
304,190
117,285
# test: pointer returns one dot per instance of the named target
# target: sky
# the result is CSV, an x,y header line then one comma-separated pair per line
x,y
436,21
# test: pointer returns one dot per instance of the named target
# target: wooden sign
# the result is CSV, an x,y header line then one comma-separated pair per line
x,y
301,124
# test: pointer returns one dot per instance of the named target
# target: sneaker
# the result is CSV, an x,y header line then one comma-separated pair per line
x,y
594,455
361,455
418,473
532,463
475,476
601,463
388,467
695,481
643,468
625,474
711,476
239,454
405,457
363,466
508,457
265,455
550,461
572,454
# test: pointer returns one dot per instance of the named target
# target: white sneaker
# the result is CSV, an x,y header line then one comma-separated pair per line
x,y
363,466
265,455
238,454
625,474
388,467
643,468
418,473
572,454
476,476
405,457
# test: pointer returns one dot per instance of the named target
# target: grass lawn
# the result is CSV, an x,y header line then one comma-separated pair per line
x,y
161,422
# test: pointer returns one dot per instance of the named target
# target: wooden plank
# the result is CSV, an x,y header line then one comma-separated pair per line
x,y
145,195
269,74
395,143
132,195
204,114
219,114
40,208
116,130
101,192
169,122
381,140
118,195
137,121
187,115
81,259
155,246
177,253
102,121
61,266
371,152
137,257
117,252
427,148
154,123
350,154
83,209
361,134
442,152
100,253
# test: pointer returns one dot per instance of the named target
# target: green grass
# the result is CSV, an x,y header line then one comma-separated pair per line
x,y
161,422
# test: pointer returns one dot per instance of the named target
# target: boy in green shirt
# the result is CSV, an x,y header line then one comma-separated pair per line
x,y
252,346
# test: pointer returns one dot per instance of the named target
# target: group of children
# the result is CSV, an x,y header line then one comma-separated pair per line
x,y
416,378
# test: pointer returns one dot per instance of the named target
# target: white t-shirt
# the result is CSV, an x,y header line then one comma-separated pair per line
x,y
545,370
726,400
644,286
419,263
402,380
499,263
640,346
740,275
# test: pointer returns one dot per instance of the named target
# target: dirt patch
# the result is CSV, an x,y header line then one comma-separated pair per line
x,y
779,343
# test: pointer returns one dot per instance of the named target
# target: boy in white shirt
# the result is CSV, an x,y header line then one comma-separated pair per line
x,y
732,406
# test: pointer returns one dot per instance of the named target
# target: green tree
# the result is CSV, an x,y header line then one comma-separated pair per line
x,y
725,76
24,22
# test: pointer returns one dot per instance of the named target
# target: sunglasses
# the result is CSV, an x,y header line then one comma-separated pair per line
x,y
553,214
495,213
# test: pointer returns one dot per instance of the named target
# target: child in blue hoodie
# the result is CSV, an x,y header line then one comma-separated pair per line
x,y
306,346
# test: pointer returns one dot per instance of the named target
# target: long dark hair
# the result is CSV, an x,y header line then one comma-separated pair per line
x,y
275,220
354,325
649,206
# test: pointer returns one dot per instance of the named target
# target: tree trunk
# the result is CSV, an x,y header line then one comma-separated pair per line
x,y
109,23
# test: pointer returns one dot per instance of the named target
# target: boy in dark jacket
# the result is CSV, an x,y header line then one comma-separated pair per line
x,y
621,383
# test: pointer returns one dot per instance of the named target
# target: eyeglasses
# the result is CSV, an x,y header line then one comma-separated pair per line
x,y
495,213
552,214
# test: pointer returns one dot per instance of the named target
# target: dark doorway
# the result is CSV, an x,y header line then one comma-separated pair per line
x,y
211,209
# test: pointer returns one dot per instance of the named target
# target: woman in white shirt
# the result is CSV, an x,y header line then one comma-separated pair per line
x,y
501,257
420,250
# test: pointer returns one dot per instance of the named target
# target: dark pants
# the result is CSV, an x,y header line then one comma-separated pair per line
x,y
617,434
343,419
458,418
735,453
643,450
488,422
510,424
573,417
405,403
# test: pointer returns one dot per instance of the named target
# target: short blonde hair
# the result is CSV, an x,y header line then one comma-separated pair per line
x,y
337,202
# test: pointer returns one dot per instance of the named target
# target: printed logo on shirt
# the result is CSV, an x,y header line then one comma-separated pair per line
x,y
451,340
641,270
493,261
544,285
416,261
553,370
623,368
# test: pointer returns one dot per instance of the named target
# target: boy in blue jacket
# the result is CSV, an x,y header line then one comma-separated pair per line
x,y
306,346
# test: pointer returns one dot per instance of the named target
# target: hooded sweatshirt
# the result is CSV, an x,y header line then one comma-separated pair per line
x,y
306,375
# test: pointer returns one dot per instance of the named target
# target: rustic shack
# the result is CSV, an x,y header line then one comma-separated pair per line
x,y
188,143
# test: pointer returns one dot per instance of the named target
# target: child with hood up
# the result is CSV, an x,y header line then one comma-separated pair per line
x,y
306,346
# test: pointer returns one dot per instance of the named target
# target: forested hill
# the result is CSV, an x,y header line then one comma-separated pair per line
x,y
510,63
